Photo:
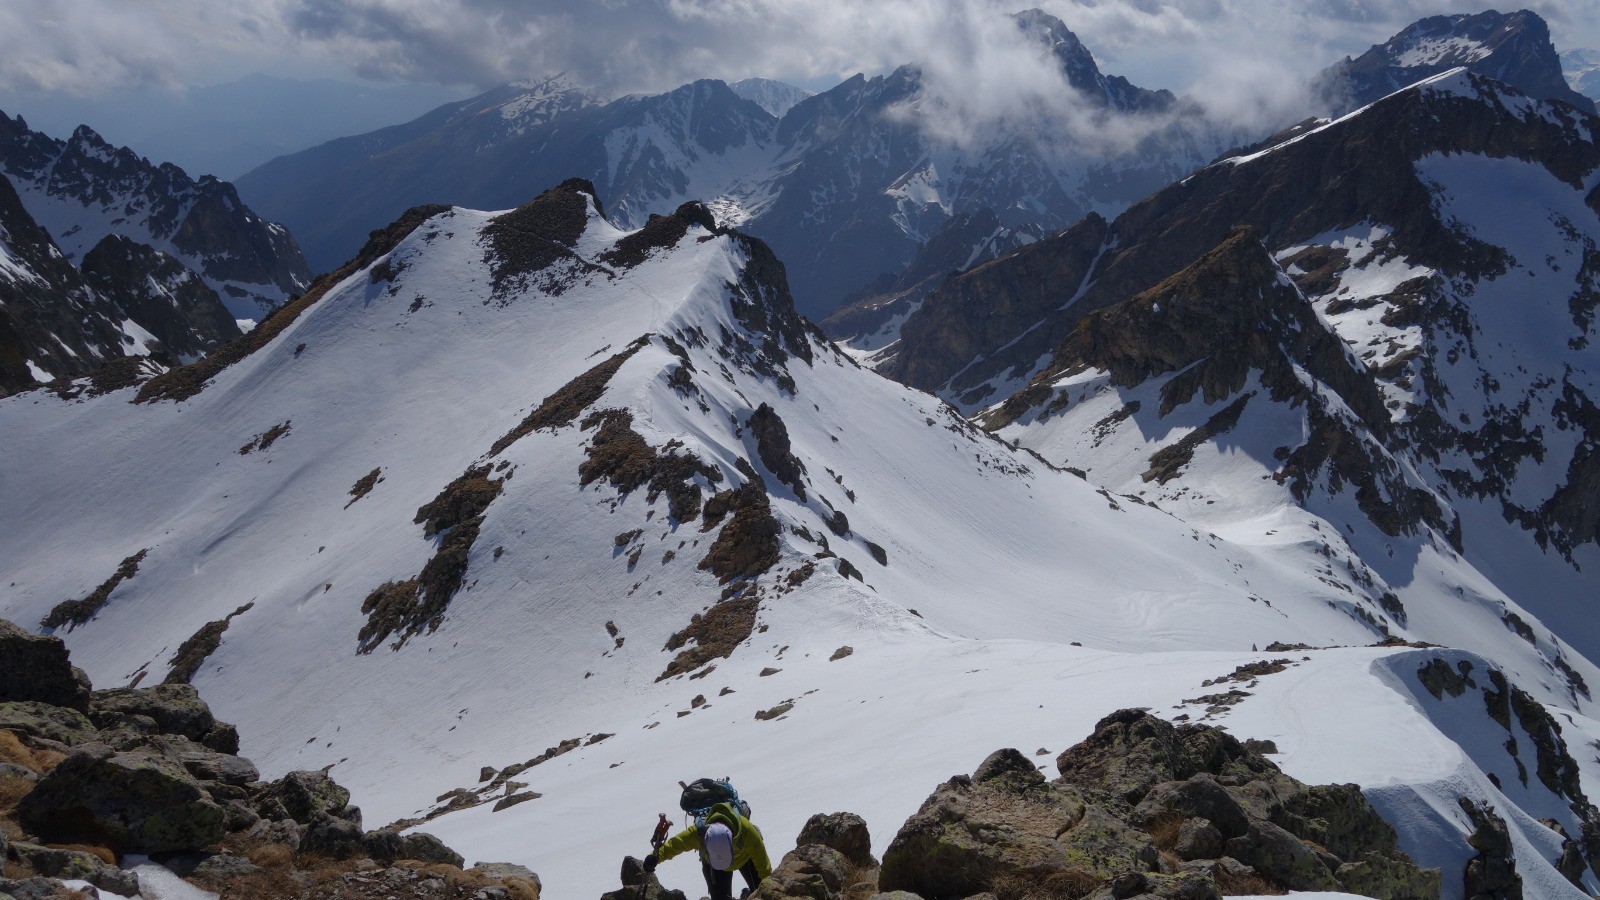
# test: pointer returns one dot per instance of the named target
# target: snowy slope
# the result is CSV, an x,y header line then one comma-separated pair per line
x,y
966,636
1468,381
776,97
1582,68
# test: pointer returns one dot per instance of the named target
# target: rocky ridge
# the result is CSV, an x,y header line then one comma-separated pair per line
x,y
1419,412
89,779
83,189
1514,48
1141,808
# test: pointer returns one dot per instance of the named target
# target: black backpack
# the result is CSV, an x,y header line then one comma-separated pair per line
x,y
701,794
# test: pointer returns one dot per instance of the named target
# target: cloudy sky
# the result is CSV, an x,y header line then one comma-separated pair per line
x,y
125,66
89,47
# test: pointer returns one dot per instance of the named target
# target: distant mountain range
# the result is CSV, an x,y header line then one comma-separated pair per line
x,y
845,185
1582,68
106,257
228,129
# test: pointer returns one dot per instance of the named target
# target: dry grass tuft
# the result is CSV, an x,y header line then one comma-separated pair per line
x,y
1164,828
270,856
12,751
1057,885
105,854
12,789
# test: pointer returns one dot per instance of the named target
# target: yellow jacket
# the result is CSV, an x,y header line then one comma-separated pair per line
x,y
748,847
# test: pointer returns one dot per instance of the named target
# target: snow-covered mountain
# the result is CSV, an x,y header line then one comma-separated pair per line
x,y
127,302
1513,48
645,153
870,320
845,187
1582,68
1405,356
83,190
1418,381
776,97
568,513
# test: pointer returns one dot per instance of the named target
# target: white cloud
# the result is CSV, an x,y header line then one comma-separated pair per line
x,y
1240,54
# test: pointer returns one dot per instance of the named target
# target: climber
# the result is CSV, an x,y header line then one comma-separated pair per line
x,y
728,842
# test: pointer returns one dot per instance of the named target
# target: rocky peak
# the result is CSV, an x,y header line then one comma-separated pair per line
x,y
1232,312
1081,70
1144,808
1514,48
52,324
161,295
83,189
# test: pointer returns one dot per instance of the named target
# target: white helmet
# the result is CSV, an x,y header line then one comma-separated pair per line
x,y
719,846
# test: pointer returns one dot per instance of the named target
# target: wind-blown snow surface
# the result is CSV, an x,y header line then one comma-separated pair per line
x,y
967,640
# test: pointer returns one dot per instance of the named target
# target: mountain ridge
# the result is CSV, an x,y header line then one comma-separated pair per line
x,y
701,494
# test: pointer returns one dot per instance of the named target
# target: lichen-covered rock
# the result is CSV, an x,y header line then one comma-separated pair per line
x,y
55,862
1198,839
226,768
637,884
332,837
509,873
55,723
1151,886
810,871
1199,797
35,667
1377,874
35,888
844,832
1227,815
1006,824
1282,857
1131,752
131,802
174,708
301,795
387,845
225,865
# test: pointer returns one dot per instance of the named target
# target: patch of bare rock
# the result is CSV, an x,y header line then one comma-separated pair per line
x,y
1142,809
88,778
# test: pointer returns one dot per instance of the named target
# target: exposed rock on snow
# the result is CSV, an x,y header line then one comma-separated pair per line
x,y
1189,805
72,613
156,773
34,668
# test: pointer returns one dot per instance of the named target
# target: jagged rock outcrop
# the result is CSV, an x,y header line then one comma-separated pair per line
x,y
832,858
1146,807
151,771
52,324
35,667
1492,874
83,189
1511,47
976,327
637,884
161,295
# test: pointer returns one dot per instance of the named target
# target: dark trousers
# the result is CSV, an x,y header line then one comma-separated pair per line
x,y
720,883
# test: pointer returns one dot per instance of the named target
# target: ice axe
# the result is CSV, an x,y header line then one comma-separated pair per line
x,y
660,835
